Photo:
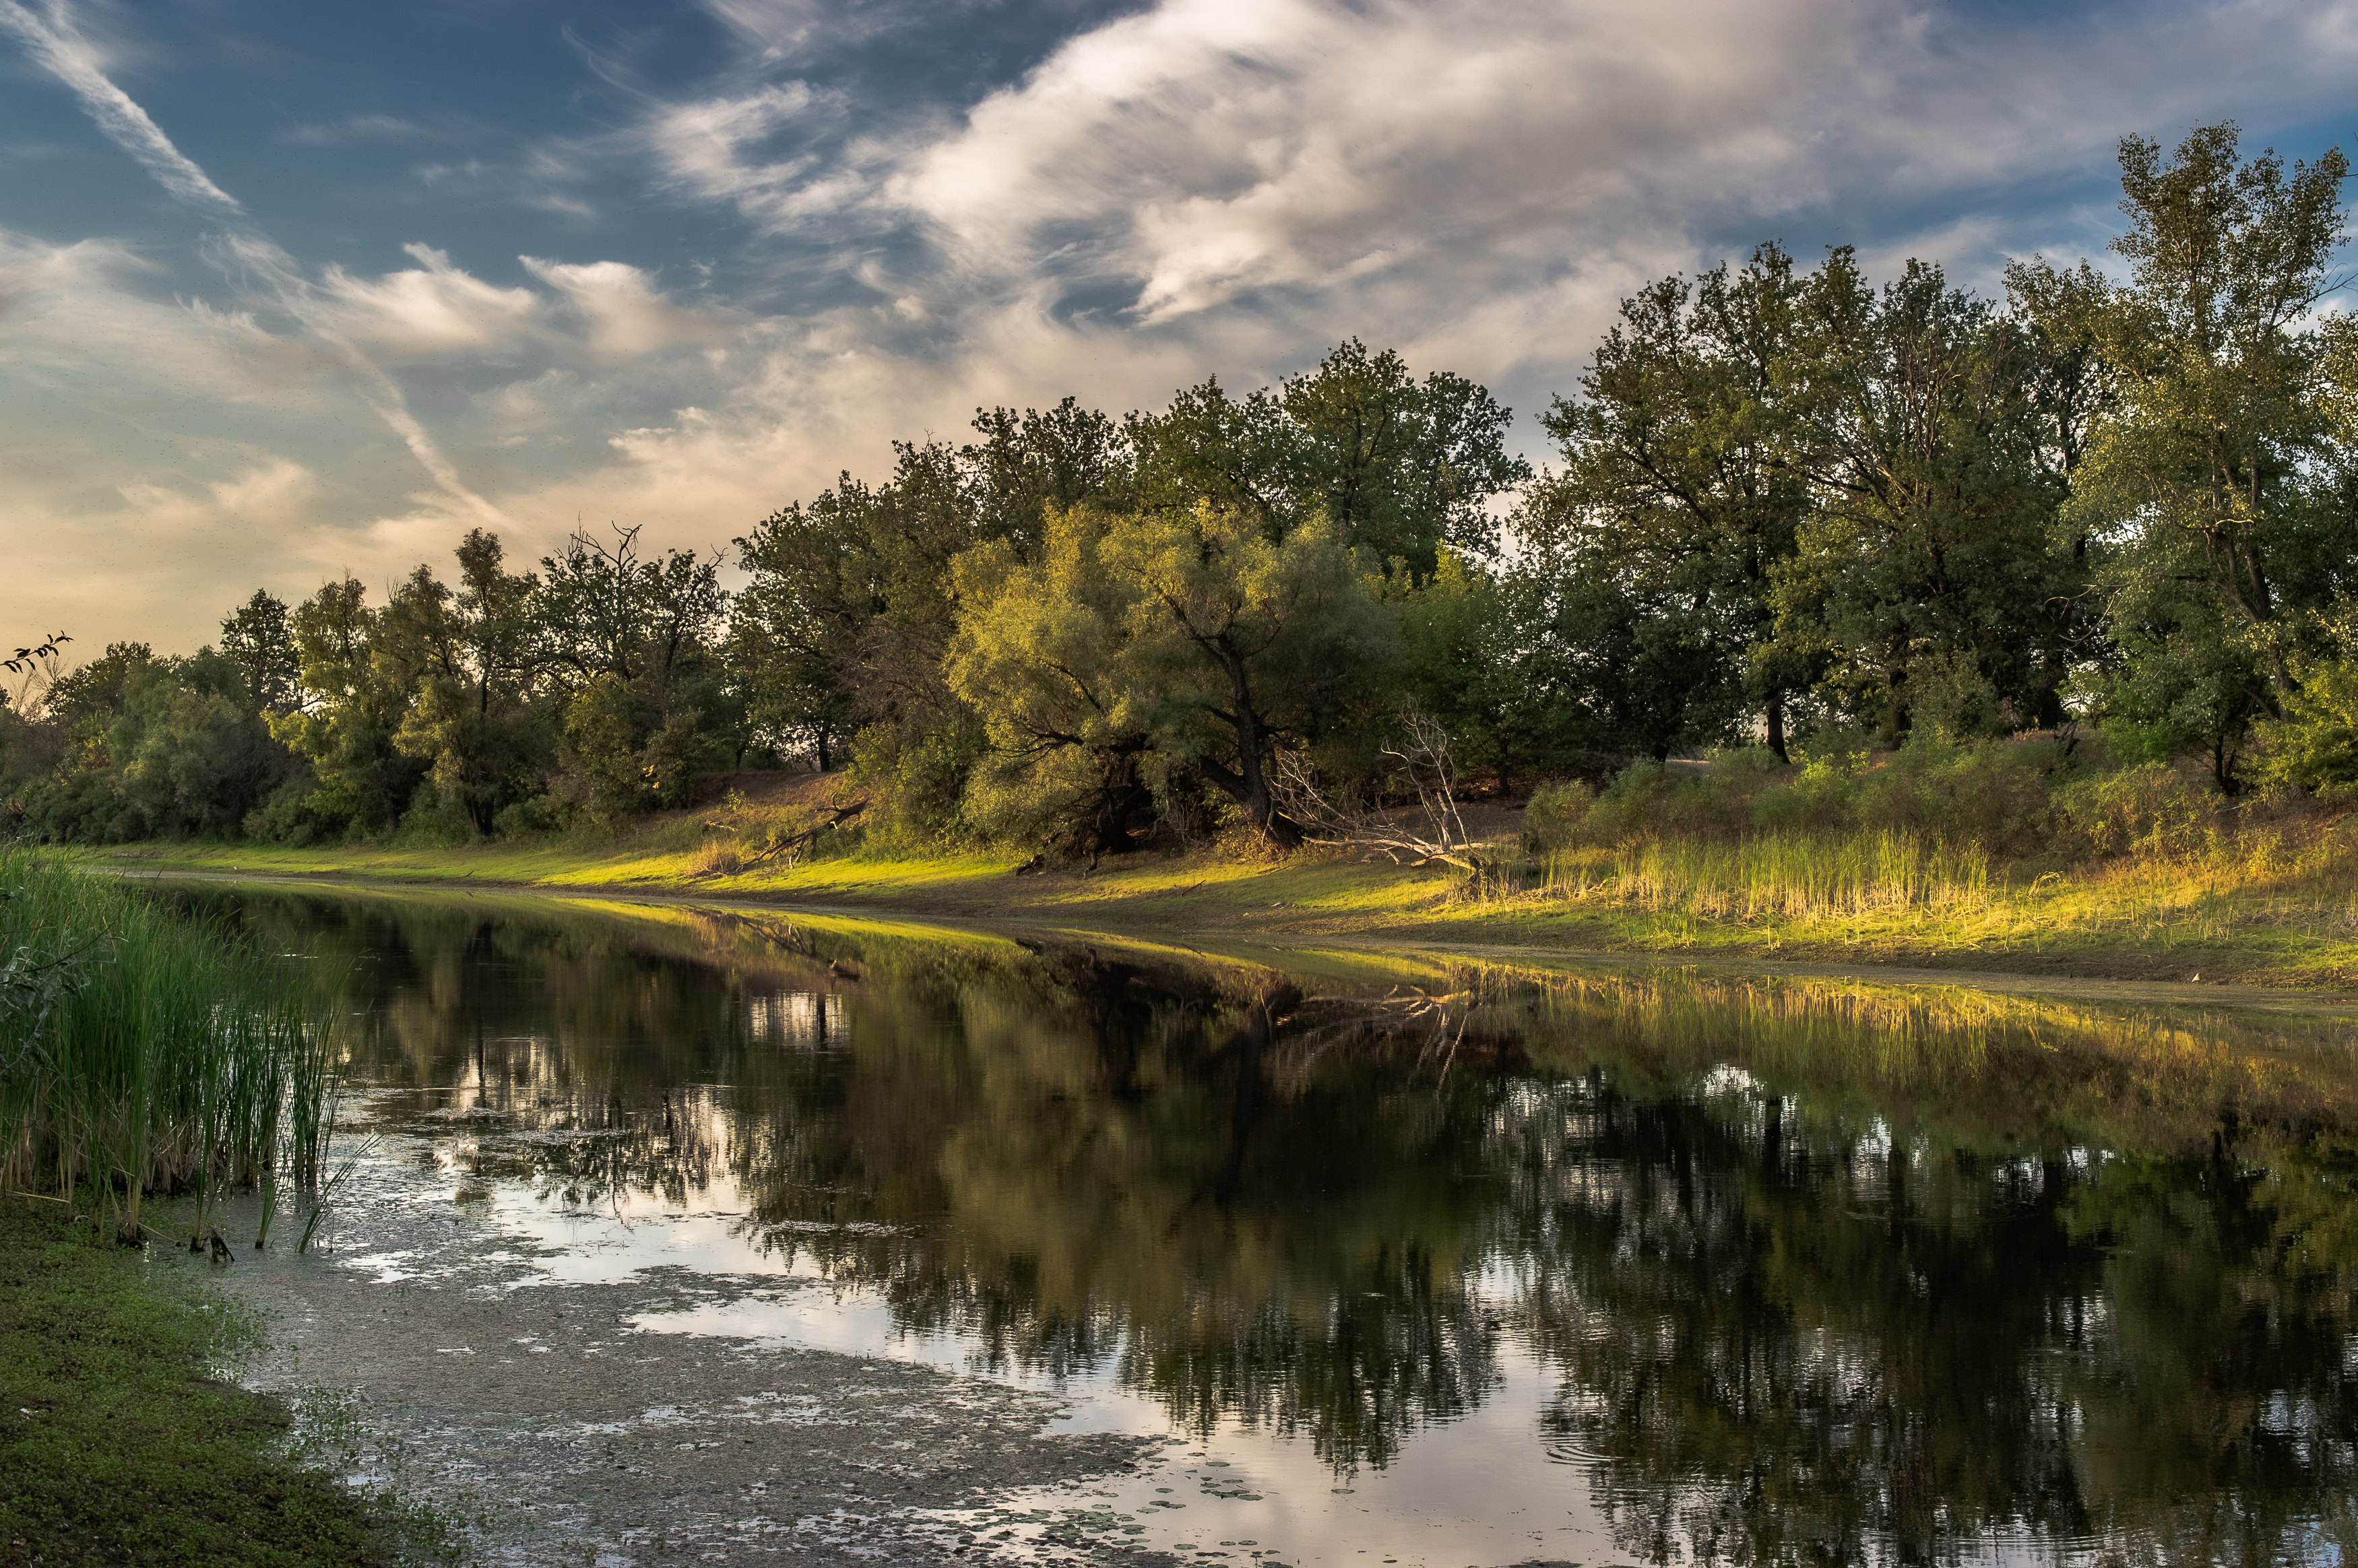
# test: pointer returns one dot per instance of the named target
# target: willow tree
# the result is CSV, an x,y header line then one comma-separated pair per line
x,y
1193,644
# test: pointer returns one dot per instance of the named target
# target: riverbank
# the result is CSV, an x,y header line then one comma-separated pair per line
x,y
119,1444
2133,919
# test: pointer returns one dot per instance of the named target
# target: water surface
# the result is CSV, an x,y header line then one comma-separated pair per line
x,y
1425,1260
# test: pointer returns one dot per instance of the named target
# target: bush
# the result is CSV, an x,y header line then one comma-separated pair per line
x,y
541,813
2001,795
2316,742
2152,808
1556,812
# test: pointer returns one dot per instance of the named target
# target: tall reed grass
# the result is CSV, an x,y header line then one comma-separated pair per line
x,y
143,1051
1795,876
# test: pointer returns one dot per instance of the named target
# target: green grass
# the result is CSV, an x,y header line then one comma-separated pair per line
x,y
2265,907
144,1053
119,1444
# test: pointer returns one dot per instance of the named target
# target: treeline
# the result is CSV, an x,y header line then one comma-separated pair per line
x,y
1785,502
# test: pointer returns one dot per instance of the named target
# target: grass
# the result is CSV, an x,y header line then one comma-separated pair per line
x,y
2142,917
119,1442
145,1053
2027,856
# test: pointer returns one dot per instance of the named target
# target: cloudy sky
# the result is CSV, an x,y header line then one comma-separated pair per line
x,y
288,289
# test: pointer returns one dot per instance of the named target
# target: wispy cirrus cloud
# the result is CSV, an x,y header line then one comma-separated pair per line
x,y
52,40
354,128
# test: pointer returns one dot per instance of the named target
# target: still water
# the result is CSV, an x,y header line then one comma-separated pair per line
x,y
1427,1260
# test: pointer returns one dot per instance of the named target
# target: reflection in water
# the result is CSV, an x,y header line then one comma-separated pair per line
x,y
1819,1275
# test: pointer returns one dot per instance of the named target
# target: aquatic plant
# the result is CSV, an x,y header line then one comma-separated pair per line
x,y
145,1051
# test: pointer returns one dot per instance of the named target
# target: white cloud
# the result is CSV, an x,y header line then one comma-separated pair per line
x,y
621,308
59,47
427,310
719,148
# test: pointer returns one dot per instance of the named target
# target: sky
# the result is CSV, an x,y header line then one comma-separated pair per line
x,y
291,290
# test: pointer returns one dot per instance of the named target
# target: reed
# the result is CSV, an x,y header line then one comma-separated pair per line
x,y
145,1052
1790,876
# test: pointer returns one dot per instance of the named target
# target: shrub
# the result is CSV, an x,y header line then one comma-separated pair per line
x,y
2316,742
1553,817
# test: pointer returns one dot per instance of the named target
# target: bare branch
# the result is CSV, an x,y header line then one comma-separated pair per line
x,y
1421,761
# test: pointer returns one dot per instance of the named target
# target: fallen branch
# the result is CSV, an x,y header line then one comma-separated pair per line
x,y
1423,760
794,843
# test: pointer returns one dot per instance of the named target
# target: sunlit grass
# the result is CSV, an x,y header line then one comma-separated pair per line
x,y
2258,905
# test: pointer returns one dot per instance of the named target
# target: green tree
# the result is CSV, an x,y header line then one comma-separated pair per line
x,y
849,616
1930,573
464,659
2212,461
628,645
1677,503
258,638
345,725
1195,638
1240,644
1029,466
1399,467
1042,653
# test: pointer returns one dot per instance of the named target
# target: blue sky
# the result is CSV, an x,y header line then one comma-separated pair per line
x,y
288,290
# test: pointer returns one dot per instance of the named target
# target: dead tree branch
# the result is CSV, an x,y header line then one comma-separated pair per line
x,y
1420,759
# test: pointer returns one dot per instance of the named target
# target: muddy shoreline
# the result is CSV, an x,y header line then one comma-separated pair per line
x,y
428,1356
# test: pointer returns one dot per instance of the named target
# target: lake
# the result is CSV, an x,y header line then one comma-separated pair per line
x,y
1401,1257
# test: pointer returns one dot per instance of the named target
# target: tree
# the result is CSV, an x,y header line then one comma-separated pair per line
x,y
1042,653
1028,467
1930,574
1196,643
464,658
627,641
1239,644
2211,462
1398,467
349,713
1676,504
258,639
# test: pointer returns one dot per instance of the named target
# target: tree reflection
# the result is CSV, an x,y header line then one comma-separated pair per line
x,y
1825,1275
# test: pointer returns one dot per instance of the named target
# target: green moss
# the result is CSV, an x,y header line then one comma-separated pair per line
x,y
118,1444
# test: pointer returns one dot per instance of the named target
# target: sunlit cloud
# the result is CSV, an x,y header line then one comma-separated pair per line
x,y
713,287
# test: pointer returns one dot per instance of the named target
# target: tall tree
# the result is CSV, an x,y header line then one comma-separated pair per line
x,y
258,639
349,713
2211,463
627,640
464,658
1930,571
1676,503
1401,467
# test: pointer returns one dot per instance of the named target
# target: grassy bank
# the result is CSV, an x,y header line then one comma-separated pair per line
x,y
2145,919
2037,856
118,1443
